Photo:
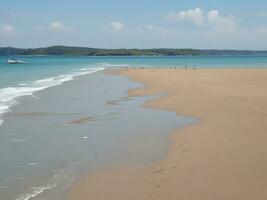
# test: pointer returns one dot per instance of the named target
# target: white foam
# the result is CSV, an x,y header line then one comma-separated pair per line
x,y
59,182
35,191
113,65
9,95
32,163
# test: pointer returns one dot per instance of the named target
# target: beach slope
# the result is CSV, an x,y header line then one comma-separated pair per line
x,y
223,156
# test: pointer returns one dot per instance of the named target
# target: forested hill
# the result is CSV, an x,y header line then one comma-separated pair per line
x,y
84,51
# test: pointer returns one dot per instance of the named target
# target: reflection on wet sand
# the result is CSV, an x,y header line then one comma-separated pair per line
x,y
116,102
80,121
88,119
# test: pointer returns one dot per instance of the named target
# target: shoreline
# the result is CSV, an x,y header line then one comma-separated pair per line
x,y
219,150
86,120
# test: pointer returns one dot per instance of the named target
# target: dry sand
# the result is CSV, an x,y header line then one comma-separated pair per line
x,y
223,157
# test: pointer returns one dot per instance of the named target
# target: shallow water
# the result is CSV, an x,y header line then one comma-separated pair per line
x,y
50,138
41,72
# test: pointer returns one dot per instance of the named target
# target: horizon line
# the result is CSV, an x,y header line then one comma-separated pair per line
x,y
183,48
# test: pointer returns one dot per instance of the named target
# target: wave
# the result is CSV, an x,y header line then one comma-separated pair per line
x,y
9,95
123,65
35,192
59,182
113,65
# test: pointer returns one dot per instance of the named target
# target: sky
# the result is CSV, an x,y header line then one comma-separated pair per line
x,y
200,24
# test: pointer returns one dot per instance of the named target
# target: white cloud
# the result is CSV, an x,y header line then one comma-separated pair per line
x,y
7,30
193,15
153,28
197,16
213,14
150,27
221,23
57,26
117,26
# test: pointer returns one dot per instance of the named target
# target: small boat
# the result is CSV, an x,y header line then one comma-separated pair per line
x,y
14,61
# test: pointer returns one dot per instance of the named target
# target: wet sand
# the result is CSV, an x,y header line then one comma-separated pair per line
x,y
48,141
223,156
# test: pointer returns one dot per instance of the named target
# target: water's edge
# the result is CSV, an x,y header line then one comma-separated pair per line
x,y
135,104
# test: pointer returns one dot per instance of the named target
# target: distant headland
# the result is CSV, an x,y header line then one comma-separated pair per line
x,y
86,51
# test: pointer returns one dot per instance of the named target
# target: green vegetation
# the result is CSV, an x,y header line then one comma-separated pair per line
x,y
84,51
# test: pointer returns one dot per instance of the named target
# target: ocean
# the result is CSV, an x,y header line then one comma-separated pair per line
x,y
62,116
42,72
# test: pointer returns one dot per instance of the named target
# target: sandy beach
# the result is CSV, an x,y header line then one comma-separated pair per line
x,y
223,156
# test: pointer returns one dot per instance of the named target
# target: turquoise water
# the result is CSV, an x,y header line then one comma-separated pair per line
x,y
46,66
41,72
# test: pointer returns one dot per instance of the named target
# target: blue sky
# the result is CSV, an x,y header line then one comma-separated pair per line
x,y
204,24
